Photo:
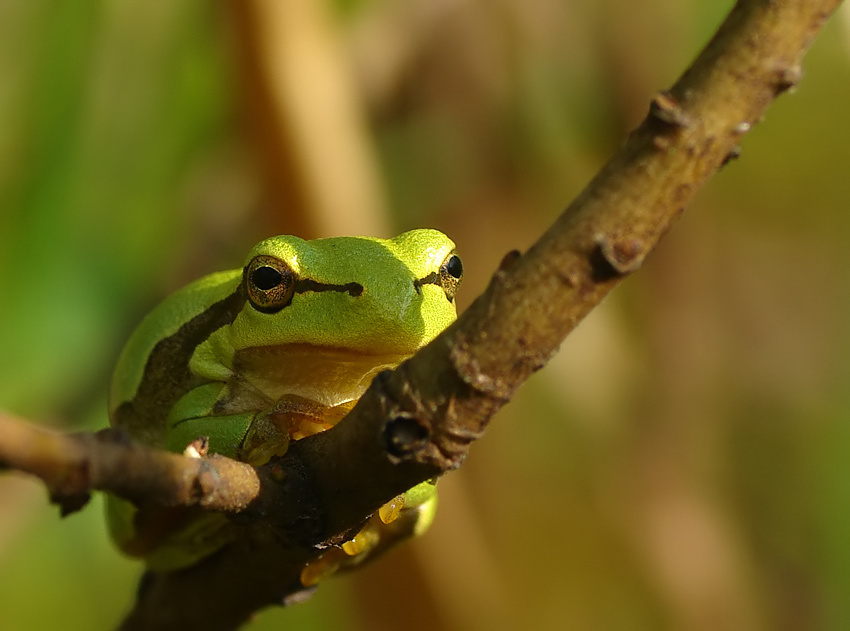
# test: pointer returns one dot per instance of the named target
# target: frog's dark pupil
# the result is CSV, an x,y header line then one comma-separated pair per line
x,y
265,278
455,267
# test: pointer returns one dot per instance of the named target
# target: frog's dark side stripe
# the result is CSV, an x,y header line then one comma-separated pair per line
x,y
448,277
166,377
431,279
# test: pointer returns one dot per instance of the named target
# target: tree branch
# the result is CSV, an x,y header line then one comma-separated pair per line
x,y
73,465
419,420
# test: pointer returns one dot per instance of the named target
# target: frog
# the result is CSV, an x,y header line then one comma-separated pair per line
x,y
243,362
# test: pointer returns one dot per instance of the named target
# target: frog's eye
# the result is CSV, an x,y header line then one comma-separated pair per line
x,y
451,273
269,283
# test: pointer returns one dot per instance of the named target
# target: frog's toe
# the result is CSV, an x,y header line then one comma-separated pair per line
x,y
390,511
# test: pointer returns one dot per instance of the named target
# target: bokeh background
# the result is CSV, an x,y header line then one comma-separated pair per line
x,y
683,463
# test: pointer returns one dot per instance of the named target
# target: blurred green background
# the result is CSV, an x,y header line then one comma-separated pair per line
x,y
683,463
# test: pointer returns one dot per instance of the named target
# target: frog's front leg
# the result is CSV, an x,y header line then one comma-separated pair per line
x,y
196,414
254,435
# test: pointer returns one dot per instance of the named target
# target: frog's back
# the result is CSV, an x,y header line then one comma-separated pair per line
x,y
156,356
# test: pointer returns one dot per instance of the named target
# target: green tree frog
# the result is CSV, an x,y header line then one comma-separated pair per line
x,y
280,349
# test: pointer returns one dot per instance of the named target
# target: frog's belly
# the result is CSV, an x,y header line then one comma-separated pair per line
x,y
327,376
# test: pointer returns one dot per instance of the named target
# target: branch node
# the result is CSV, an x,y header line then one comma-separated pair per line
x,y
742,128
612,258
404,437
70,489
788,77
509,259
69,504
666,109
732,155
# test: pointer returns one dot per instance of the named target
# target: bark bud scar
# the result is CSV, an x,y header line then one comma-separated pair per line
x,y
405,436
788,78
666,109
616,257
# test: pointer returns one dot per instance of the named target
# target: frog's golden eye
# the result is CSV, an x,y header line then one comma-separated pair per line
x,y
269,283
451,273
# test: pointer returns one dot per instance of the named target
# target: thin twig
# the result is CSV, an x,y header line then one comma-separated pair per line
x,y
74,465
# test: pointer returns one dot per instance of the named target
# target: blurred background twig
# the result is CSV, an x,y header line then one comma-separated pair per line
x,y
682,462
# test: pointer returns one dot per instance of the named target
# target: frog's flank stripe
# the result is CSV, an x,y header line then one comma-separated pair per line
x,y
306,284
431,279
166,376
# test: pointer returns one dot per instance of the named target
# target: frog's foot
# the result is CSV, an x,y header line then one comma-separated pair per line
x,y
291,418
390,511
263,441
349,553
323,567
363,542
308,418
419,495
406,515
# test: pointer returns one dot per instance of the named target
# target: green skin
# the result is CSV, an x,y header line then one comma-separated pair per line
x,y
216,359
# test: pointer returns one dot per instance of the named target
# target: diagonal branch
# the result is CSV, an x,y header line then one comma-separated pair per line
x,y
419,420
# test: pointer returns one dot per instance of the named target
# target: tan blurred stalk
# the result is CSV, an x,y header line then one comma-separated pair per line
x,y
472,593
322,176
20,499
843,15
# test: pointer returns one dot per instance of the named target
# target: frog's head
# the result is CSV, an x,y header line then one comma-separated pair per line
x,y
364,295
320,314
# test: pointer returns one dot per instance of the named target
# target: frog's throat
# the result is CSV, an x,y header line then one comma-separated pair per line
x,y
326,375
